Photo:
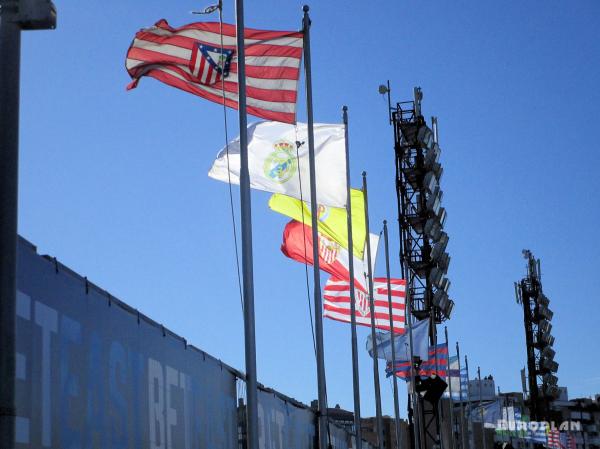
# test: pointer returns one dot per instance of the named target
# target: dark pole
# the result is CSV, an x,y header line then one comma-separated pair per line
x,y
323,419
246,218
463,440
355,378
470,421
372,311
10,49
481,409
389,287
451,401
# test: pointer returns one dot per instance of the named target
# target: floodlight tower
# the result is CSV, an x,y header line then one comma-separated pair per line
x,y
541,367
421,219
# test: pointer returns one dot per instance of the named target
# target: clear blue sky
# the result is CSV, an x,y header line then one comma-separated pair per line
x,y
114,183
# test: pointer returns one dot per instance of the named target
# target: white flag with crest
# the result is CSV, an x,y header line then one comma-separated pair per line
x,y
275,166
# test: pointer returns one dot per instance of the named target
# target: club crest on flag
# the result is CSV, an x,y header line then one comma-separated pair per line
x,y
322,213
281,164
361,302
208,65
328,249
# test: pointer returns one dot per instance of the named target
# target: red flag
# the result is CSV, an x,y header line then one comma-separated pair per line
x,y
337,303
333,258
192,58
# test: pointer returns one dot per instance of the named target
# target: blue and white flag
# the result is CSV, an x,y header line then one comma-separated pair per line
x,y
454,379
420,337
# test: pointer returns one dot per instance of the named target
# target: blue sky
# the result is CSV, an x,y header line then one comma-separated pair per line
x,y
114,183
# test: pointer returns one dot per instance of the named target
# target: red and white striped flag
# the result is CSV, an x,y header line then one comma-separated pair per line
x,y
337,303
192,58
554,439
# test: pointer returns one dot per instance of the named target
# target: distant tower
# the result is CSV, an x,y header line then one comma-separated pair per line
x,y
541,367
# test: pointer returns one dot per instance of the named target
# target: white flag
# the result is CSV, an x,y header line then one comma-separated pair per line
x,y
274,167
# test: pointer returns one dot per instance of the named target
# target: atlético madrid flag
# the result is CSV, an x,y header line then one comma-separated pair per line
x,y
333,258
192,58
336,303
278,161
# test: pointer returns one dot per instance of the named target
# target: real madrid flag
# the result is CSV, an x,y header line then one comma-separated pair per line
x,y
278,161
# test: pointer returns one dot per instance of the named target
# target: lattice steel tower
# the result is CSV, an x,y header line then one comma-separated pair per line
x,y
540,354
423,255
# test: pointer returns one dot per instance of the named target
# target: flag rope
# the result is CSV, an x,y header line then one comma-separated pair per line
x,y
312,327
234,227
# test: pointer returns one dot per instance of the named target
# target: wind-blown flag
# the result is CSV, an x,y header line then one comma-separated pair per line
x,y
427,368
336,303
333,259
453,379
332,220
275,166
490,412
420,336
554,440
192,58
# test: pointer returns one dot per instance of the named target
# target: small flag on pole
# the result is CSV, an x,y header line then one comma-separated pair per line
x,y
420,337
332,220
192,58
336,303
333,259
428,366
278,161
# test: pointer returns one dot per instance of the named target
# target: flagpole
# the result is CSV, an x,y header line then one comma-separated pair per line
x,y
322,412
452,445
10,55
246,219
470,422
462,406
412,405
389,288
481,409
355,378
372,312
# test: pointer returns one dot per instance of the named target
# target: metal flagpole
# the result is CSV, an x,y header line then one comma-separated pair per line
x,y
481,409
355,378
470,421
389,287
246,218
462,406
10,57
414,399
372,312
323,418
448,375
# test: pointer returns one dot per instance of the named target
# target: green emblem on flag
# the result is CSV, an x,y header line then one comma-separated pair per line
x,y
281,164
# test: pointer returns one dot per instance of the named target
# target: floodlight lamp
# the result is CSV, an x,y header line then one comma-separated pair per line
x,y
434,201
445,284
440,299
545,312
550,379
548,353
435,277
433,229
383,89
444,262
552,391
430,181
432,156
448,311
545,326
440,247
37,15
543,300
442,216
425,137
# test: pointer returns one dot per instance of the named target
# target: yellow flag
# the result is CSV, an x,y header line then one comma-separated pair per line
x,y
332,220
